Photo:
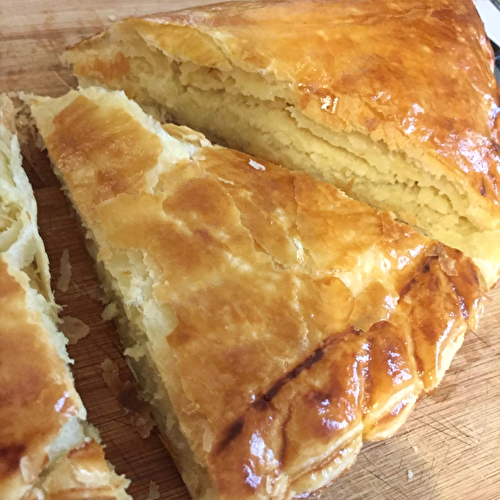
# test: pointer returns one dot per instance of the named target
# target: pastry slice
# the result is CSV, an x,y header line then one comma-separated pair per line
x,y
393,101
274,323
47,450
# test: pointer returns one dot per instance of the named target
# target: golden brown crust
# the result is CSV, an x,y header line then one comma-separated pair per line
x,y
36,394
302,318
40,411
417,75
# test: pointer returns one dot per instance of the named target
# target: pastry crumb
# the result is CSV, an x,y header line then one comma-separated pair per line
x,y
129,398
112,17
415,449
410,475
111,376
74,329
65,271
143,424
110,312
154,491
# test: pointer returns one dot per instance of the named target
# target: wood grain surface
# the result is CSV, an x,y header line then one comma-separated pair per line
x,y
451,443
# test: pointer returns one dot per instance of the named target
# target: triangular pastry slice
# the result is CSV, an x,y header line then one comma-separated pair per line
x,y
275,324
47,450
393,101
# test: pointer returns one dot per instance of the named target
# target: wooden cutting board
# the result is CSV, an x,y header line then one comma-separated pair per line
x,y
451,443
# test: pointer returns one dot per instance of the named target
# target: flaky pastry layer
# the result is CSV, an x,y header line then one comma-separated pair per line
x,y
393,102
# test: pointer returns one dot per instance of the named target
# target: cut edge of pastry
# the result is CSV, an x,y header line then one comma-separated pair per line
x,y
139,341
23,253
208,88
139,355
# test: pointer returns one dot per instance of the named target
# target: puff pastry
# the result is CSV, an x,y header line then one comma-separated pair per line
x,y
47,451
393,101
275,323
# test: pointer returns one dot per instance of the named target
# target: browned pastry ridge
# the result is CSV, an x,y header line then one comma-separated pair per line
x,y
275,323
47,451
393,101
